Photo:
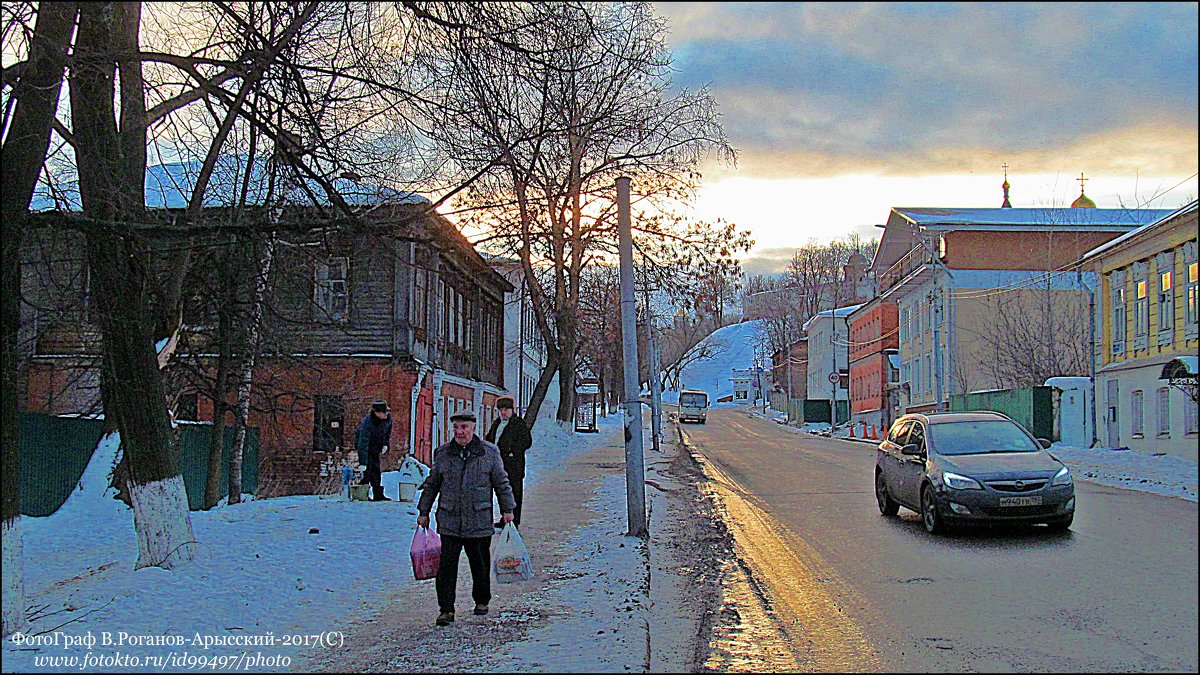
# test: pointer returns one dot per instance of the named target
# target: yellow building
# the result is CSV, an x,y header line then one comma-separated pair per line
x,y
1146,316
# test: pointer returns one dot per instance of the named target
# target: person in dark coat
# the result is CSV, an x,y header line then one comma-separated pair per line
x,y
372,438
464,474
510,433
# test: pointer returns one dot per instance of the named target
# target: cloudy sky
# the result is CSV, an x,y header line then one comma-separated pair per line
x,y
841,111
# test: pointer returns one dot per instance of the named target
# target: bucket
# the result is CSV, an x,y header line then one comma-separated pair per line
x,y
360,493
408,491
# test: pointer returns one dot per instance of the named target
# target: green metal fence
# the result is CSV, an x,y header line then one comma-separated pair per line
x,y
1033,407
56,450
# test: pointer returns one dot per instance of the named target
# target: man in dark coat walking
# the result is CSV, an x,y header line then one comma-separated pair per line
x,y
372,439
464,474
510,433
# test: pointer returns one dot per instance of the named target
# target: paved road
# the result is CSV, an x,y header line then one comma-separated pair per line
x,y
851,590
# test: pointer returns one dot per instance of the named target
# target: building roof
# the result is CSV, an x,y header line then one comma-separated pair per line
x,y
1170,215
1025,218
170,186
825,314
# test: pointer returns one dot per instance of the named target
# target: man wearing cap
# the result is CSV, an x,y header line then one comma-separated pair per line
x,y
372,439
465,472
510,433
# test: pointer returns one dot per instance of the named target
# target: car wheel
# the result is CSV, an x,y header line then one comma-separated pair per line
x,y
1061,524
929,512
887,505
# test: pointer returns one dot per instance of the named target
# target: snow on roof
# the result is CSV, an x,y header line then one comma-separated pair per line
x,y
1068,382
1045,218
1129,235
825,314
170,186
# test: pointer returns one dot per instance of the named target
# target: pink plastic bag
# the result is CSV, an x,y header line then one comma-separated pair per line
x,y
426,552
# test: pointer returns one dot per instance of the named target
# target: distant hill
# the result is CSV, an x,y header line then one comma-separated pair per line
x,y
735,346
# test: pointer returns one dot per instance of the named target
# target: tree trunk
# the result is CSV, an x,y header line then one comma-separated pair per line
x,y
216,442
112,167
246,374
539,390
36,95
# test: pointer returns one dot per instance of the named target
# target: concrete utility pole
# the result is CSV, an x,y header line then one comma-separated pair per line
x,y
655,381
635,471
935,298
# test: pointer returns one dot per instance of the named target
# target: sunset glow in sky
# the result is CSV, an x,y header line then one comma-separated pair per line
x,y
841,111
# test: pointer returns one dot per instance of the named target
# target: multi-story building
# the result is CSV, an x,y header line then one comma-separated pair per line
x,y
524,348
781,398
397,305
1147,319
828,359
874,363
956,275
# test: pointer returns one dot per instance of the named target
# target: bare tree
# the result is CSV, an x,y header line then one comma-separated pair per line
x,y
557,132
28,118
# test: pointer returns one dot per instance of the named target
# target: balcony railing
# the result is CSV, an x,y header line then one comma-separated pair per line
x,y
909,263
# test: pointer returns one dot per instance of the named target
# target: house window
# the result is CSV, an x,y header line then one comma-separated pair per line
x,y
1118,319
329,416
1193,297
1164,411
1191,415
331,288
1166,305
904,327
420,316
1136,413
928,373
187,407
1141,313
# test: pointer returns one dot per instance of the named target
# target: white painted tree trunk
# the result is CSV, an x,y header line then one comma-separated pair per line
x,y
161,518
14,575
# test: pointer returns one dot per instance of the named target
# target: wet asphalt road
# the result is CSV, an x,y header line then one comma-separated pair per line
x,y
850,590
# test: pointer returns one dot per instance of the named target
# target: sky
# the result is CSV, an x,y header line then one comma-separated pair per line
x,y
841,111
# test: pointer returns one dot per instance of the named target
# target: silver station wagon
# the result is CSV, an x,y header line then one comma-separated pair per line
x,y
971,467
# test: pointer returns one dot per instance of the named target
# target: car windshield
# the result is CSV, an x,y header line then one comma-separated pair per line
x,y
693,400
980,437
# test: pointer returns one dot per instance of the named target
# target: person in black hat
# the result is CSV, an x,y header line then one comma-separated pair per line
x,y
372,439
510,433
464,473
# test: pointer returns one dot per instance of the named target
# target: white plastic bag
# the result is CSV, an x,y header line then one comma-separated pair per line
x,y
511,560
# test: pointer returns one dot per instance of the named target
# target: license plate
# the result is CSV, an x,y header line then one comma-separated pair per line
x,y
1021,501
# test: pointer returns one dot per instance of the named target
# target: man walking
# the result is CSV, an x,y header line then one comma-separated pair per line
x,y
372,439
510,433
465,472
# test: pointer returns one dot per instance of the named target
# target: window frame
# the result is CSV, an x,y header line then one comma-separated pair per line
x,y
326,295
1163,412
1137,422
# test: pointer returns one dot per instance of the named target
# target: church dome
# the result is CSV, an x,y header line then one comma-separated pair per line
x,y
1083,202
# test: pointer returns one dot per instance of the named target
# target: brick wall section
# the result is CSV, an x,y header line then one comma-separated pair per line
x,y
871,332
1024,250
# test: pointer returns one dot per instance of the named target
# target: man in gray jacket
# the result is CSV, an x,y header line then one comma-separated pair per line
x,y
465,472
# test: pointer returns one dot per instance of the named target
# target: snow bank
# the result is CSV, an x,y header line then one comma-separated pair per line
x,y
734,346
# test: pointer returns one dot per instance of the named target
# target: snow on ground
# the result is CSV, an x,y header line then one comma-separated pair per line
x,y
734,345
267,570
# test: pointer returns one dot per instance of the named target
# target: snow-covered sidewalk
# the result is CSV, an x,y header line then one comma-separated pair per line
x,y
278,579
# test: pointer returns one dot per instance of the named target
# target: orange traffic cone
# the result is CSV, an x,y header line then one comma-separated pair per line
x,y
874,437
851,430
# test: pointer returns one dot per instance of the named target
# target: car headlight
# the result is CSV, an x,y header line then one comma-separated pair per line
x,y
1063,477
957,482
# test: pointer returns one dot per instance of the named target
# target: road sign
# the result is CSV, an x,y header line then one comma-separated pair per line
x,y
834,378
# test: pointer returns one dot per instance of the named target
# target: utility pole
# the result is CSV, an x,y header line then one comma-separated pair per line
x,y
934,298
834,382
788,399
635,471
655,382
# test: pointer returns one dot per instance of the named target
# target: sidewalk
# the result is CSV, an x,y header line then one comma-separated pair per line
x,y
599,601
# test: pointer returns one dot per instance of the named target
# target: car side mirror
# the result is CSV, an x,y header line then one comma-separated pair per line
x,y
1044,443
910,449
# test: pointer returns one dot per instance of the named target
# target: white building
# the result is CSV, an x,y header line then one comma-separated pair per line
x,y
829,357
524,349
